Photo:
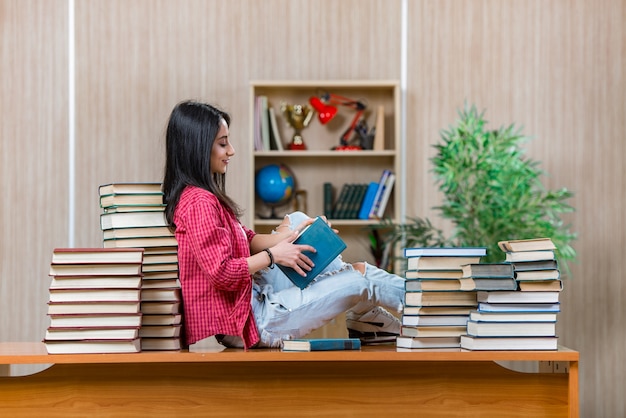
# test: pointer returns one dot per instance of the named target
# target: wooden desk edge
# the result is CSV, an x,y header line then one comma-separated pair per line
x,y
35,353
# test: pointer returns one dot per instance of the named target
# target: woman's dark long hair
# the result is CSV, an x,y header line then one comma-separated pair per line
x,y
191,131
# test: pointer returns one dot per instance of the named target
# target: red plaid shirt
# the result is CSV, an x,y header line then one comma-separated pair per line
x,y
216,286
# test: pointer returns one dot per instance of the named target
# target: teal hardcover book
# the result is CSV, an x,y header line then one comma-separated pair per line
x,y
322,344
328,245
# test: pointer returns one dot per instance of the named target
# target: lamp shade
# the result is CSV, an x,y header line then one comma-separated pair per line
x,y
325,111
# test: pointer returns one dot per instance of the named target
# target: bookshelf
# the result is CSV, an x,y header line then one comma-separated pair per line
x,y
319,163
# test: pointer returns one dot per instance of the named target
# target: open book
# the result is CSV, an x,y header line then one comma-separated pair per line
x,y
328,245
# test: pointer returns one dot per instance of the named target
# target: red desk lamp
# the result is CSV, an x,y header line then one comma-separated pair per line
x,y
326,106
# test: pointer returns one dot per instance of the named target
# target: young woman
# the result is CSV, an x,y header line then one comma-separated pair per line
x,y
229,284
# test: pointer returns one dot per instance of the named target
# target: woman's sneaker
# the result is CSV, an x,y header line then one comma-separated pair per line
x,y
373,327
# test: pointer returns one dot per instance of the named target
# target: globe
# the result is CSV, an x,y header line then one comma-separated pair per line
x,y
275,185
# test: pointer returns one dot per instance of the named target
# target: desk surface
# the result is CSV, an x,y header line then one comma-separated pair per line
x,y
35,353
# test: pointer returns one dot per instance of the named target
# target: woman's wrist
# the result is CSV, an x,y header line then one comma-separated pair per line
x,y
271,257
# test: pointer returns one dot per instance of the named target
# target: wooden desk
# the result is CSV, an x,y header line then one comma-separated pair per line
x,y
376,381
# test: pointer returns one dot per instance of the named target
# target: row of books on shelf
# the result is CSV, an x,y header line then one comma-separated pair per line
x,y
454,301
360,200
267,136
125,296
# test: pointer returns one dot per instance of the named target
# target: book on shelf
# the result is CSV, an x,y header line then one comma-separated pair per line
x,y
264,122
429,285
469,342
141,232
322,344
535,265
129,188
276,139
538,275
90,308
440,263
102,333
356,202
153,199
160,331
160,308
517,297
95,321
327,244
487,270
488,283
540,286
140,242
112,220
381,204
433,274
93,346
328,194
533,244
511,329
438,310
540,255
368,200
379,191
428,342
433,320
161,295
445,298
379,133
96,282
445,251
518,307
161,344
96,269
341,200
162,319
539,316
94,295
96,255
433,331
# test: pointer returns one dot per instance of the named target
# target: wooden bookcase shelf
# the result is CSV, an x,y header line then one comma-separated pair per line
x,y
319,163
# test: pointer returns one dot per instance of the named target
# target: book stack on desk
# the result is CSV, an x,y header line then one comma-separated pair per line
x,y
133,216
436,309
94,303
525,318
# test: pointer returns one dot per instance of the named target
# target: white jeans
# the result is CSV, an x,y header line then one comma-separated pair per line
x,y
283,311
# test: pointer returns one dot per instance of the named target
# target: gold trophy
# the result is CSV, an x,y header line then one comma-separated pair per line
x,y
299,117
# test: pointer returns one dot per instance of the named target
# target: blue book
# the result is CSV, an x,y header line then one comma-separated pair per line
x,y
328,245
368,201
322,344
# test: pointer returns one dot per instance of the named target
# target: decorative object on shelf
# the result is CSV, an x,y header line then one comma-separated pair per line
x,y
491,192
298,117
326,106
275,185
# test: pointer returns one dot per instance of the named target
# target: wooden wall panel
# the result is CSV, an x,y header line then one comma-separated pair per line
x,y
33,159
555,69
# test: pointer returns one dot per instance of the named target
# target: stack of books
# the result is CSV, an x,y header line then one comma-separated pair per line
x,y
133,217
525,318
94,304
436,309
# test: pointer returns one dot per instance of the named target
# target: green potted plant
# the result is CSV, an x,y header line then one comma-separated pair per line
x,y
491,192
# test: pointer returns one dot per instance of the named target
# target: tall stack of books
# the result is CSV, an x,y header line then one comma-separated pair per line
x,y
436,310
132,217
94,304
525,318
